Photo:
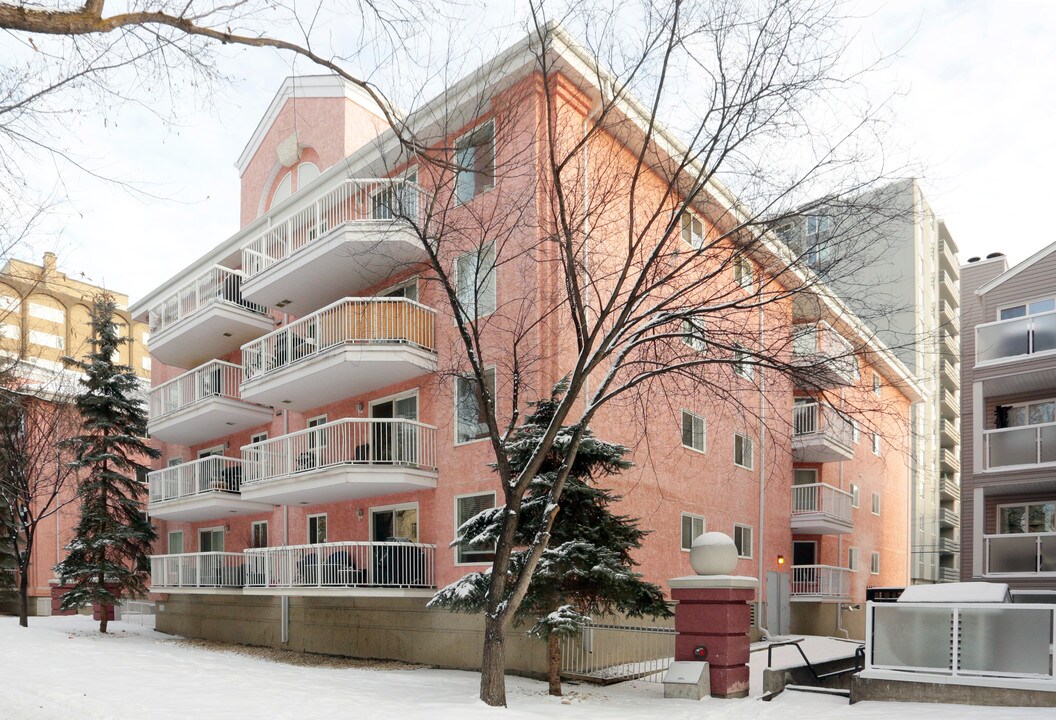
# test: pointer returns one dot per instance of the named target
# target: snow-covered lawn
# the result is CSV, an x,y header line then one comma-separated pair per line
x,y
62,668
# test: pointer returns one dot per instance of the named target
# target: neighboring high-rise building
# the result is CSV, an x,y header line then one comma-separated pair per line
x,y
1008,411
322,443
904,285
45,315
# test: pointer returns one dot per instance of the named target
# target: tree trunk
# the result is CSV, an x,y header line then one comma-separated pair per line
x,y
553,663
23,597
104,612
493,663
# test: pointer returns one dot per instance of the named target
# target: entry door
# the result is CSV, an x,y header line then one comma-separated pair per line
x,y
805,499
804,579
396,442
211,540
211,567
804,553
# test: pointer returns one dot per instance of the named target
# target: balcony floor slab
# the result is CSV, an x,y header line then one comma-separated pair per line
x,y
214,331
340,482
210,418
819,524
205,506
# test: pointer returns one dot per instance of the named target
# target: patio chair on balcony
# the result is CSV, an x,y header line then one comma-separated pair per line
x,y
400,566
232,479
339,569
308,570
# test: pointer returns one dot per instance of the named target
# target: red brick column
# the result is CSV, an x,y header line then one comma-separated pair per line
x,y
713,613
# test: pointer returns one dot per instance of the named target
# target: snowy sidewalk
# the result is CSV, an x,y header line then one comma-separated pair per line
x,y
61,668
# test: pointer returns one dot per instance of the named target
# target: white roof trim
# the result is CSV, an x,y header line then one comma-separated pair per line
x,y
304,86
1016,270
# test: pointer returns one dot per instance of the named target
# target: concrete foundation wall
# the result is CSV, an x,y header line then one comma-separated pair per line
x,y
898,691
820,619
386,628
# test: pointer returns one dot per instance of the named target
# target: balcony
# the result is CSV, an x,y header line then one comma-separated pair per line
x,y
948,259
820,509
200,490
328,567
949,489
820,434
948,287
949,317
343,238
206,318
949,461
949,574
342,460
1020,448
951,376
949,546
823,359
950,344
197,572
951,434
201,405
950,406
351,347
820,583
1023,554
1021,337
949,518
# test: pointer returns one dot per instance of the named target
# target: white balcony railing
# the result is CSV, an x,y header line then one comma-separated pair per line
x,y
820,419
1016,337
371,321
197,570
1023,446
374,200
967,643
349,441
215,285
342,564
821,581
821,498
1020,554
207,475
215,378
818,344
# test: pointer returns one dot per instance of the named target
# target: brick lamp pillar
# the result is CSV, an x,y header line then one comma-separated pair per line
x,y
712,617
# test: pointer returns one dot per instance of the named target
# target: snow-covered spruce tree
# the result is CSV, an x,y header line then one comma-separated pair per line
x,y
587,567
108,555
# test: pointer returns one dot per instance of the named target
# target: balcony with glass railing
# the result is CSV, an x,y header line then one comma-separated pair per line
x,y
353,346
342,237
1022,554
344,459
330,568
203,404
200,490
820,434
205,318
820,509
1014,339
820,583
822,357
1020,448
197,572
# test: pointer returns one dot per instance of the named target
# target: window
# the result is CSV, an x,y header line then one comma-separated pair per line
x,y
852,558
876,443
9,303
920,523
284,189
395,523
176,542
876,503
692,230
1033,308
742,538
10,332
475,281
316,529
743,273
174,461
475,160
471,421
874,563
855,492
466,507
920,488
692,527
38,337
742,366
1029,413
694,336
259,532
817,224
877,385
1039,517
145,362
694,433
787,233
742,451
258,437
45,312
856,432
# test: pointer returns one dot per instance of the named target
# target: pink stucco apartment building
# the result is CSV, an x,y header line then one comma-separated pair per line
x,y
320,447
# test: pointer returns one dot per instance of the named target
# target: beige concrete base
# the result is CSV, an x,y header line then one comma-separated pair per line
x,y
366,627
817,618
933,692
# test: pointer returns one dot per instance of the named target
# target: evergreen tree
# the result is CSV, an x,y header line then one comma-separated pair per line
x,y
587,567
108,555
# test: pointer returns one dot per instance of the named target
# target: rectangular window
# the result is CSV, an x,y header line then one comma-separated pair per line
x,y
10,332
258,437
856,431
742,366
692,230
744,273
693,335
317,529
852,558
817,224
1038,517
466,507
38,337
694,433
877,385
1033,308
742,451
259,537
475,285
876,443
176,542
874,563
46,313
174,461
876,503
742,538
855,491
475,161
145,362
471,420
692,527
9,303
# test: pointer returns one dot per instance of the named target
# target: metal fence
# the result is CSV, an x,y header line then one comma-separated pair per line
x,y
217,284
138,612
613,653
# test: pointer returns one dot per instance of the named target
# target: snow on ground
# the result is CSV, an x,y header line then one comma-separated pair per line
x,y
60,667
